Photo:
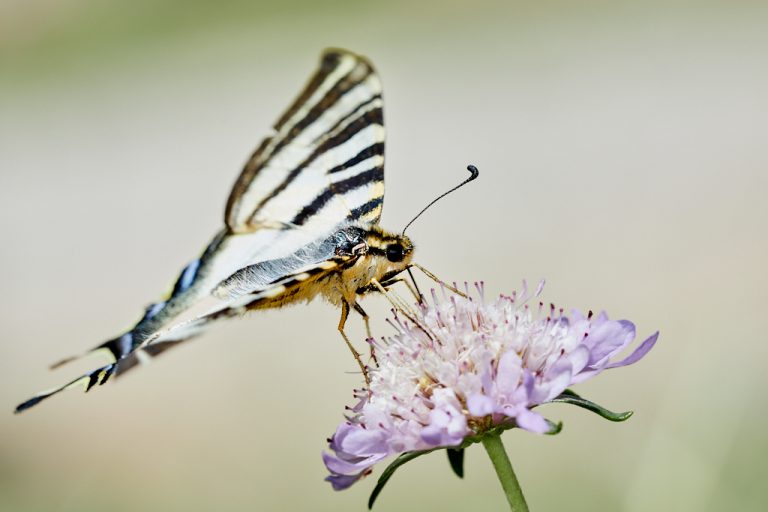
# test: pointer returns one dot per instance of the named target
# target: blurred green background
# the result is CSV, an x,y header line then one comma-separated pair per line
x,y
623,156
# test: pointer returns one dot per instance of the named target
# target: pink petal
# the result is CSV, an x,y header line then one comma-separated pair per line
x,y
579,358
341,482
364,442
508,375
532,422
608,338
480,405
639,352
343,467
557,379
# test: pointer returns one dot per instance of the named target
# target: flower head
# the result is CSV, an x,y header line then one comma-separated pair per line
x,y
458,367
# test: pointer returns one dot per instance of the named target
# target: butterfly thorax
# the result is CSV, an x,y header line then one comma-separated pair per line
x,y
380,255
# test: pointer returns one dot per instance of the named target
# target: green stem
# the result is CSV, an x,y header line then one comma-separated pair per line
x,y
495,449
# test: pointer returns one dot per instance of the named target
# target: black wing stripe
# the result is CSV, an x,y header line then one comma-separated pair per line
x,y
344,91
366,208
362,106
339,188
328,63
365,154
246,176
375,116
347,83
370,117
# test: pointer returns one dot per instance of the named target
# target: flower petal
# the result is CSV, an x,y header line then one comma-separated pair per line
x,y
364,442
480,405
608,338
343,467
639,352
532,422
509,372
579,358
556,380
341,482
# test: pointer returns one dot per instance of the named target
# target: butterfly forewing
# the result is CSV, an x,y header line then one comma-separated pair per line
x,y
324,164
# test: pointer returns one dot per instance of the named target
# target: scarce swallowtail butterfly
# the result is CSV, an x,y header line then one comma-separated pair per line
x,y
301,221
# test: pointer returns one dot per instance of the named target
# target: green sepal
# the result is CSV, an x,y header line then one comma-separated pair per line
x,y
409,456
554,428
387,474
569,397
456,460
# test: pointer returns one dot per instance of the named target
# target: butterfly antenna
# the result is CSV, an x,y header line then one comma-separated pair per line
x,y
474,174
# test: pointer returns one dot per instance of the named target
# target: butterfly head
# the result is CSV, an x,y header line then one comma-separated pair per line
x,y
399,250
391,251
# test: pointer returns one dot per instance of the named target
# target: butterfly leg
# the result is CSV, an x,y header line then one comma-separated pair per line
x,y
397,302
387,284
366,320
355,353
414,289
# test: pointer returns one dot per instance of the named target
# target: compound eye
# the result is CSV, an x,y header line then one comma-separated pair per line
x,y
395,253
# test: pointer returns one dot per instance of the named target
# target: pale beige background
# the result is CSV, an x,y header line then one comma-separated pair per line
x,y
623,153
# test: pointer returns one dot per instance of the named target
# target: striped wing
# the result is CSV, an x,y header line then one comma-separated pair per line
x,y
285,287
321,169
324,164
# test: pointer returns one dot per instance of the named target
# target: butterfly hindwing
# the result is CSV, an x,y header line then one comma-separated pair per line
x,y
280,290
242,295
270,282
292,284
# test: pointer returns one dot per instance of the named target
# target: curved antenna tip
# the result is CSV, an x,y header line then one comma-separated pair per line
x,y
475,173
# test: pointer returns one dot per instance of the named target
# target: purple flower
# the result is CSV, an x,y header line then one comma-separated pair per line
x,y
459,367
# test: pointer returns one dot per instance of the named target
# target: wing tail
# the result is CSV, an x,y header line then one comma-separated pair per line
x,y
95,377
101,375
124,356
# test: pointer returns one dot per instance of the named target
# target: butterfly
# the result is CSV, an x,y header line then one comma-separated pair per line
x,y
301,221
